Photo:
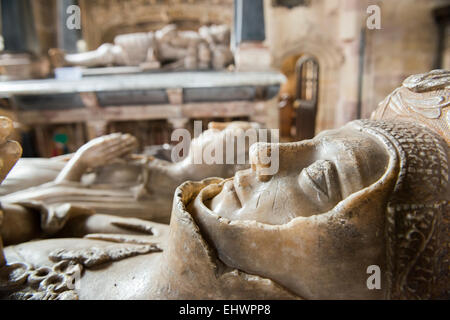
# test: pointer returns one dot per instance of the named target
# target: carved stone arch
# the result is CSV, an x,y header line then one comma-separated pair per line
x,y
327,53
331,58
307,70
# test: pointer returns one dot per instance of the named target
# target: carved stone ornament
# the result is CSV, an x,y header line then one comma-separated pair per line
x,y
423,97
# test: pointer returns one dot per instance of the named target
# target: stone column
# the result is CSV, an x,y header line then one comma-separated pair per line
x,y
350,36
67,38
248,21
45,22
17,25
249,35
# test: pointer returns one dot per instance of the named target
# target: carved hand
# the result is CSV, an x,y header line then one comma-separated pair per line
x,y
97,152
103,150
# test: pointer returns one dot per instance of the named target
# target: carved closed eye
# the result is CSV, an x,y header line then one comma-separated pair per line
x,y
320,180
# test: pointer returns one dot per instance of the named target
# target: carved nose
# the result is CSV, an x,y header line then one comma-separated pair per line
x,y
261,159
268,159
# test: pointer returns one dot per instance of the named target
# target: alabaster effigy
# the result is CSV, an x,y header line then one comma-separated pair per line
x,y
168,48
372,193
103,177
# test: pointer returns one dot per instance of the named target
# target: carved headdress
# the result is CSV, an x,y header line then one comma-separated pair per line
x,y
423,98
415,119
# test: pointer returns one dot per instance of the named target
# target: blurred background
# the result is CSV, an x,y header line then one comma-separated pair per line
x,y
72,70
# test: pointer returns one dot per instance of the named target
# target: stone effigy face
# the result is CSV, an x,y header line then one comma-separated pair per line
x,y
372,193
167,48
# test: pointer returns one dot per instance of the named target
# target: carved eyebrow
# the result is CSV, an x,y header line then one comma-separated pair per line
x,y
314,183
354,175
321,176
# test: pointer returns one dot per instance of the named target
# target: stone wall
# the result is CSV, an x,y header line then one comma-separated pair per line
x,y
332,31
405,45
317,30
446,56
45,17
